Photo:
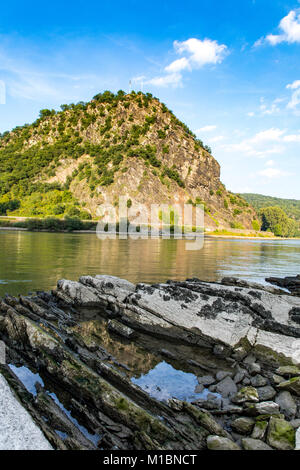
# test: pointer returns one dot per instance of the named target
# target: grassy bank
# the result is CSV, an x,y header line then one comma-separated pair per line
x,y
51,224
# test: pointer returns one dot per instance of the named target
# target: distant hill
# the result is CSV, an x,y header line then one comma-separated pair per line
x,y
290,206
68,162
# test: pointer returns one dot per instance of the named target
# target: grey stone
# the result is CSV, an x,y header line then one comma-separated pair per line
x,y
266,393
243,425
18,431
246,394
221,443
226,387
277,379
249,443
199,388
286,404
206,380
250,359
120,329
222,374
281,434
295,423
291,385
266,408
246,381
254,368
259,429
288,371
258,381
239,376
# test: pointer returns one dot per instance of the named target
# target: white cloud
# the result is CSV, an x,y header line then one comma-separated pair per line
x,y
251,114
270,163
205,129
178,65
267,135
196,53
173,79
218,138
294,85
199,52
292,138
289,28
295,98
272,173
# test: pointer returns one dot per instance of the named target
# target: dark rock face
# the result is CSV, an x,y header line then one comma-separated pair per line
x,y
89,348
290,283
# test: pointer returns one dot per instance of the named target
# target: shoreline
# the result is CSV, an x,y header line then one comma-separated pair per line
x,y
206,235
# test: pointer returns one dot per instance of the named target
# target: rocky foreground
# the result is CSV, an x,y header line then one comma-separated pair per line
x,y
76,355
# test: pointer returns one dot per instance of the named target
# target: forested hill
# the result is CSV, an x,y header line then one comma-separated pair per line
x,y
68,162
290,206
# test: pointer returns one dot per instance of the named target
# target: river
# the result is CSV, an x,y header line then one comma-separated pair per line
x,y
35,261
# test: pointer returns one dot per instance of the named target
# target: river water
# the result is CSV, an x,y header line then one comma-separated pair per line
x,y
32,261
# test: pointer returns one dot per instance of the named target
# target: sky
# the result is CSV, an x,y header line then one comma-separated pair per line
x,y
229,69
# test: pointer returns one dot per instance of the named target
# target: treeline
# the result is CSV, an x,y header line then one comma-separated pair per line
x,y
290,206
274,219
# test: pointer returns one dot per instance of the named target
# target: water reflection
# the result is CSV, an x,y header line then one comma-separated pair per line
x,y
33,261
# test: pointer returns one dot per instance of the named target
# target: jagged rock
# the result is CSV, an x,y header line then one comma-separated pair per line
x,y
258,381
210,403
246,394
259,429
221,443
120,329
288,371
249,360
246,324
243,425
254,444
277,379
286,404
266,393
281,434
222,374
254,368
226,387
263,408
239,376
246,381
291,283
295,423
206,380
291,385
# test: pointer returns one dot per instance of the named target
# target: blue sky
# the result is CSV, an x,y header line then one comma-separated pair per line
x,y
230,70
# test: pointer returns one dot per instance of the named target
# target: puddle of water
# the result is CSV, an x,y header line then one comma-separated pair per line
x,y
164,382
29,379
94,438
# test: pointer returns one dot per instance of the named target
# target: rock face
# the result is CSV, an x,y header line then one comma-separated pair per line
x,y
290,283
129,145
98,345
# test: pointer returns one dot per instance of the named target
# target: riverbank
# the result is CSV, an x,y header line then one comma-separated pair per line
x,y
228,235
176,365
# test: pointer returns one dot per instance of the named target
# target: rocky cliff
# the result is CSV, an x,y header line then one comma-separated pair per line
x,y
70,162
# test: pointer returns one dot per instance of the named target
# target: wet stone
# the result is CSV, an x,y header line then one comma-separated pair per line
x,y
258,381
266,393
